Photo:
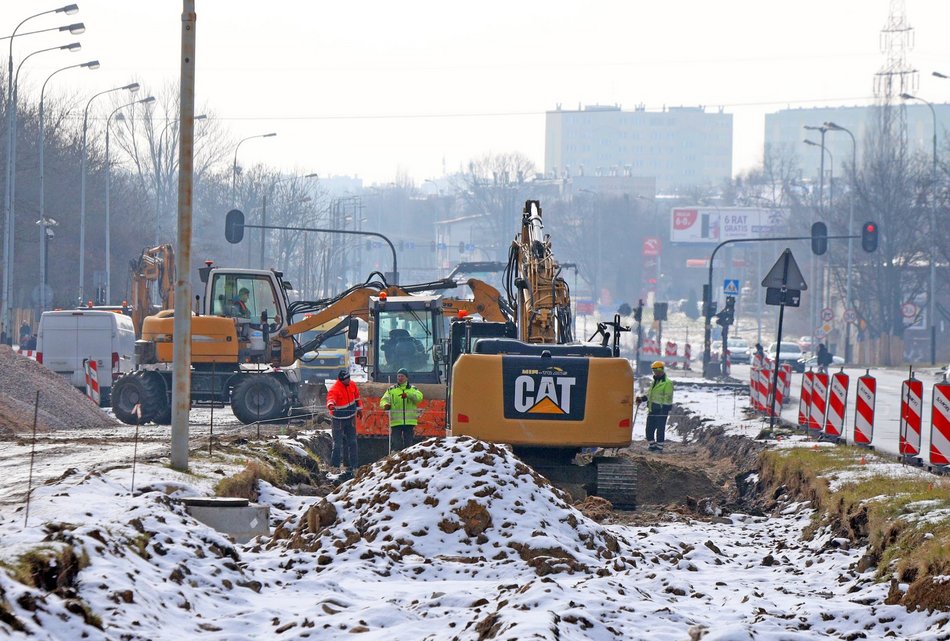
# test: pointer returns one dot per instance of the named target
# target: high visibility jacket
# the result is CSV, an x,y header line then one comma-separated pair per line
x,y
660,396
343,399
402,411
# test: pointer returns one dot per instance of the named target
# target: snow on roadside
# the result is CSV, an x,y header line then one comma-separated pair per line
x,y
437,572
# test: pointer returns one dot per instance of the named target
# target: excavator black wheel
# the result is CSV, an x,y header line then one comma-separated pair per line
x,y
260,397
617,481
143,389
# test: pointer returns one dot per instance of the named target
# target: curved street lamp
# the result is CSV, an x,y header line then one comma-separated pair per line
x,y
847,295
92,65
933,226
234,165
143,101
132,87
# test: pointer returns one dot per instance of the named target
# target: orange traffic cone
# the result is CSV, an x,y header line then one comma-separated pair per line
x,y
863,461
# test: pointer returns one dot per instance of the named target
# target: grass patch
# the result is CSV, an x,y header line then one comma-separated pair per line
x,y
244,483
904,519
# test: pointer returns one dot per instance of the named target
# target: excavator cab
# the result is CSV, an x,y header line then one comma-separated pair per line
x,y
406,333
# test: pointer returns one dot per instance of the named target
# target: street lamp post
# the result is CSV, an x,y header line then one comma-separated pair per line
x,y
847,292
133,87
76,28
159,175
931,295
92,65
815,300
264,212
234,165
143,101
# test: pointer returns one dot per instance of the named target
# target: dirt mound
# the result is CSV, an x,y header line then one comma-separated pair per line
x,y
62,406
456,499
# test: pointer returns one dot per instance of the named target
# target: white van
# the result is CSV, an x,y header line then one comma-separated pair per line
x,y
67,338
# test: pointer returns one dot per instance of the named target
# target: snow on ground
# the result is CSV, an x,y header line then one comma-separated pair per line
x,y
447,540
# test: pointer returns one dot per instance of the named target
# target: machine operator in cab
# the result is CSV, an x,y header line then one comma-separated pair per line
x,y
659,400
401,401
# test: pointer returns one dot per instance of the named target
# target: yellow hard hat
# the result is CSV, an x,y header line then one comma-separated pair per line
x,y
657,365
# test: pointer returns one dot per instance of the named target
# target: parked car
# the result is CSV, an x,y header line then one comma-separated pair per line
x,y
811,360
739,350
807,343
789,353
67,338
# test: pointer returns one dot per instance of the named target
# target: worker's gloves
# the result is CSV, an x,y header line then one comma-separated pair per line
x,y
641,399
331,407
403,395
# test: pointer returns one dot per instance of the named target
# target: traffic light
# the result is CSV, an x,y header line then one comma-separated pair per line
x,y
869,236
819,238
728,314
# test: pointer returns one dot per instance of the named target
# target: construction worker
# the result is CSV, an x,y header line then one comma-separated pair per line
x,y
401,401
659,401
344,405
239,306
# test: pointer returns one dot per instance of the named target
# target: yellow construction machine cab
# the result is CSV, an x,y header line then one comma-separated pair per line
x,y
406,332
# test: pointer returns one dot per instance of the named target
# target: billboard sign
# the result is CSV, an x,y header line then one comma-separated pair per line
x,y
718,224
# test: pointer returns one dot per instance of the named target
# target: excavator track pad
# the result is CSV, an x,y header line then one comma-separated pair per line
x,y
617,481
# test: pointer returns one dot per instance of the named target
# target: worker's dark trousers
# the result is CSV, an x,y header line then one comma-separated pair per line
x,y
400,437
344,442
656,428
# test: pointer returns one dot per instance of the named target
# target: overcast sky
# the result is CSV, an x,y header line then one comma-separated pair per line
x,y
374,88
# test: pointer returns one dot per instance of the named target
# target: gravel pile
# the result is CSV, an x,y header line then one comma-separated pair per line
x,y
62,406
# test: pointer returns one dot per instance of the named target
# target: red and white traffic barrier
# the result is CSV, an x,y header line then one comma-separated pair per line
x,y
669,354
92,380
819,395
762,388
837,405
776,395
804,398
785,378
940,425
649,349
687,356
864,410
28,353
912,394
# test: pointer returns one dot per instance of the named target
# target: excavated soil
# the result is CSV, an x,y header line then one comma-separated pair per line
x,y
61,406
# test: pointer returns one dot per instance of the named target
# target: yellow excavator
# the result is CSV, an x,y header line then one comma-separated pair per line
x,y
545,395
154,271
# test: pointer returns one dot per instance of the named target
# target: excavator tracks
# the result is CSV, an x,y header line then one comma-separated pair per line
x,y
617,481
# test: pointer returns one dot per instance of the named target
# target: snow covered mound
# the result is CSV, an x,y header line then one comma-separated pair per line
x,y
457,500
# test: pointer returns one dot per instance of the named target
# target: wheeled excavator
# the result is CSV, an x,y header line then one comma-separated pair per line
x,y
543,394
247,335
154,271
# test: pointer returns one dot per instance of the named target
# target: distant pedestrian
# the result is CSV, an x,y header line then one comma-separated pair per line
x,y
344,404
659,400
824,358
25,331
401,401
759,350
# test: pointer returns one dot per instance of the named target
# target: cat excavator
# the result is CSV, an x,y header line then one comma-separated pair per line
x,y
542,393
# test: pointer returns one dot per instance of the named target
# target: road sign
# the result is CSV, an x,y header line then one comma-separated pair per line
x,y
820,332
908,310
651,246
785,273
730,287
773,296
827,314
851,316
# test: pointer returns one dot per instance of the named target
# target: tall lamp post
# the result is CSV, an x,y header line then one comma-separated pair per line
x,y
234,165
159,175
814,300
143,101
264,212
132,88
847,292
76,28
92,65
931,295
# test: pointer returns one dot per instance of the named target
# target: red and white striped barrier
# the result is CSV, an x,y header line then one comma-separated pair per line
x,y
837,405
669,354
687,356
819,395
940,425
28,353
649,350
761,383
804,398
864,410
92,380
785,379
777,391
912,394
